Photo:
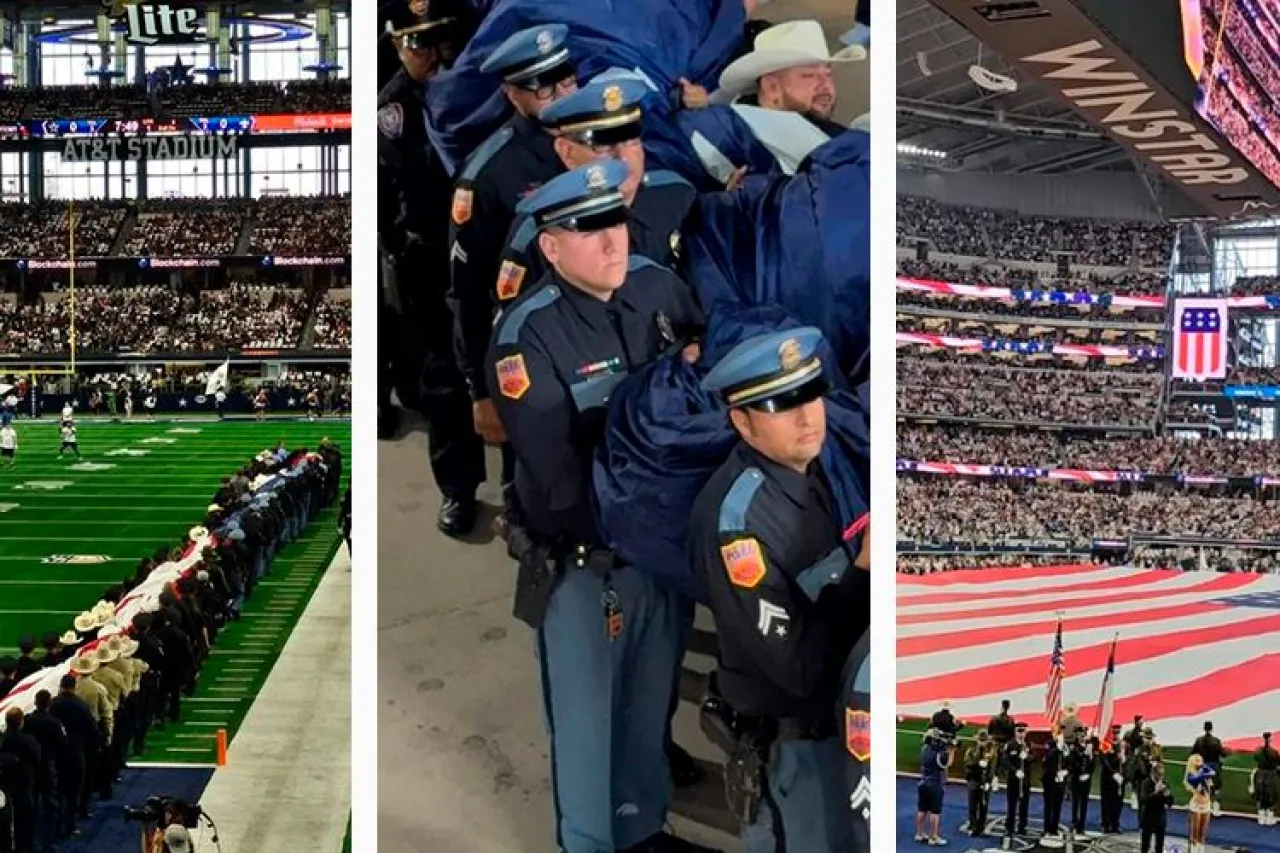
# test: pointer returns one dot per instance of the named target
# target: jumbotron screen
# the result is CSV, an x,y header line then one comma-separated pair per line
x,y
1232,49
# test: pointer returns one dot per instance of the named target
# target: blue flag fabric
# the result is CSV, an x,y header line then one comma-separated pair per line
x,y
665,39
802,243
666,437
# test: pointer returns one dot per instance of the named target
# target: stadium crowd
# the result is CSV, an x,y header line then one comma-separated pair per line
x,y
155,319
41,230
186,228
1160,455
944,386
986,233
1133,283
20,103
928,564
70,737
1027,330
297,227
961,510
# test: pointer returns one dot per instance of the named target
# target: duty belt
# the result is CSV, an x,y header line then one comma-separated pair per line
x,y
598,560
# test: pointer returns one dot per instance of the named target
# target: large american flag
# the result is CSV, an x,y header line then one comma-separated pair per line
x,y
1200,339
1197,645
1053,690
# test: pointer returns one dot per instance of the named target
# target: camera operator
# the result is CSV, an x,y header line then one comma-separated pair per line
x,y
935,758
163,828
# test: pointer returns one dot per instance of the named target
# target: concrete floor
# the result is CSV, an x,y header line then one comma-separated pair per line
x,y
462,751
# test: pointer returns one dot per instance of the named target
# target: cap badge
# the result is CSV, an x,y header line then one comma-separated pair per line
x,y
543,42
613,98
596,178
789,354
419,7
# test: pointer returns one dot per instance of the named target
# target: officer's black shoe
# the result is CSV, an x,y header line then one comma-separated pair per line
x,y
457,516
665,843
388,423
685,772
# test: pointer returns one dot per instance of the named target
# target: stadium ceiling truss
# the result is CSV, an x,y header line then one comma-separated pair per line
x,y
940,108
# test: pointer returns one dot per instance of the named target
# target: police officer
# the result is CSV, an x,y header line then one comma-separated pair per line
x,y
855,716
1210,748
414,191
1111,765
1262,781
517,159
788,601
1015,761
1000,727
608,634
605,119
1053,776
979,770
1081,762
8,675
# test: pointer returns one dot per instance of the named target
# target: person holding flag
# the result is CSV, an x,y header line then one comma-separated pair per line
x,y
1015,758
1053,778
216,385
1111,764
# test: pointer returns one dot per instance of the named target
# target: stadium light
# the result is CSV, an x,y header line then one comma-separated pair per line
x,y
907,150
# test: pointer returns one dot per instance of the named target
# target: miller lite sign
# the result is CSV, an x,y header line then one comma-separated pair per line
x,y
153,23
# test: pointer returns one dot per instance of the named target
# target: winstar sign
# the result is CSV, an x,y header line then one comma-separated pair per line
x,y
151,23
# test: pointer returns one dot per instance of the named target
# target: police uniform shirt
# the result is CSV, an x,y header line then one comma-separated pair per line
x,y
509,166
657,214
763,534
557,355
413,185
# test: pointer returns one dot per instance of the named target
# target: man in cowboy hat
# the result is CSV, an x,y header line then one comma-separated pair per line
x,y
95,696
789,69
536,69
415,346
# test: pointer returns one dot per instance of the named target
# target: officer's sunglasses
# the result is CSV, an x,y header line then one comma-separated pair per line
x,y
543,89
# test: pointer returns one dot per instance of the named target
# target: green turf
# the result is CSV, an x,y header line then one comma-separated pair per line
x,y
123,513
1235,776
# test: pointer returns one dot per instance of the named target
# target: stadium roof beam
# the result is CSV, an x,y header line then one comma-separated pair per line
x,y
1024,126
1075,161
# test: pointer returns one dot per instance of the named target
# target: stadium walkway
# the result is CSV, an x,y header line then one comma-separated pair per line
x,y
460,723
287,783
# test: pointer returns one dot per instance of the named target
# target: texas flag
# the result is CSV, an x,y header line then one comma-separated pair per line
x,y
1200,339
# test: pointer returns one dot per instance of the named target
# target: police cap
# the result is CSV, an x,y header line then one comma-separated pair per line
x,y
603,112
772,373
27,644
422,24
587,199
533,58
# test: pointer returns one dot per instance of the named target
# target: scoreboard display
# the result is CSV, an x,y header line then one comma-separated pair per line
x,y
72,127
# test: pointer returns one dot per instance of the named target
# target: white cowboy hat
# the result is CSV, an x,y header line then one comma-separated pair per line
x,y
788,45
84,665
105,654
84,623
196,533
70,638
123,644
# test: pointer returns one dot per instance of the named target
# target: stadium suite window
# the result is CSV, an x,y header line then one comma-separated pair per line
x,y
295,171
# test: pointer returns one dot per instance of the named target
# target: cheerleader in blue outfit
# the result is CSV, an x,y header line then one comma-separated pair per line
x,y
1200,809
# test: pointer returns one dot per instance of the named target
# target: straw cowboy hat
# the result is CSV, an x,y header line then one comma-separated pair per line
x,y
782,46
84,665
70,638
85,622
123,645
105,654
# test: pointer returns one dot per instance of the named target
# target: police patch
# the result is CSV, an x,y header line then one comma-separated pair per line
x,y
461,206
513,378
391,121
510,277
857,733
744,562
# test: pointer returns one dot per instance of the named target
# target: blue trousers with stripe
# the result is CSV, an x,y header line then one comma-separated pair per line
x,y
807,807
607,704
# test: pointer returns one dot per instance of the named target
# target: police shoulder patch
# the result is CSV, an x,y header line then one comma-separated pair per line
x,y
510,277
462,198
513,376
391,121
857,733
744,562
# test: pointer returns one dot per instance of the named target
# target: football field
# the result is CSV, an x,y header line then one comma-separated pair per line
x,y
69,529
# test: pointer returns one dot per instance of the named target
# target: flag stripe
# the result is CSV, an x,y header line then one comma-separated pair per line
x,y
1014,573
1212,588
1123,581
948,656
